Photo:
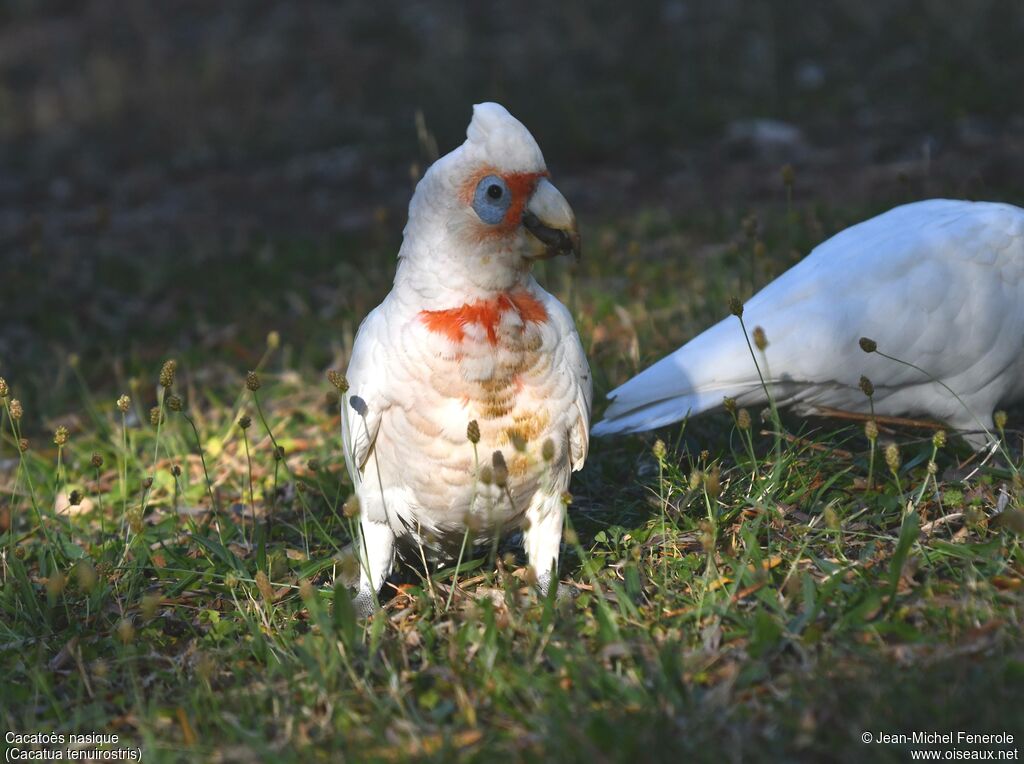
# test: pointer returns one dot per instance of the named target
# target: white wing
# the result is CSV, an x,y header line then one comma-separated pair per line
x,y
936,283
368,391
573,363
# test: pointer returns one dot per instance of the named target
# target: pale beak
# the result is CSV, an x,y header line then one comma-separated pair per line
x,y
550,220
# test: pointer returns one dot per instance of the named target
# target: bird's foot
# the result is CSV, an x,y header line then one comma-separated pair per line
x,y
365,604
563,592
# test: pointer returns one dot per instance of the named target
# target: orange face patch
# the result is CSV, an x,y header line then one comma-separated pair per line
x,y
521,186
451,323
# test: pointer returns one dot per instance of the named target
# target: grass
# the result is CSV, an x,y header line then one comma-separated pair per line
x,y
745,589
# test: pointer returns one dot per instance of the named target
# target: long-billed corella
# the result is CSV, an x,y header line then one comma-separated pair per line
x,y
937,285
469,390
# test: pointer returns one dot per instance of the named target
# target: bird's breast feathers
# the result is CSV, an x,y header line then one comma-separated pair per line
x,y
494,360
486,316
500,361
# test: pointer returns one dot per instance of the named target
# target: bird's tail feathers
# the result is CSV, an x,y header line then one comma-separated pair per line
x,y
696,378
625,416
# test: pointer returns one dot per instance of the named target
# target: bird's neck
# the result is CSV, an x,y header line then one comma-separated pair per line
x,y
447,282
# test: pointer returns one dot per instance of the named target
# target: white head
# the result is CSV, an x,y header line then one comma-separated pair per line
x,y
483,213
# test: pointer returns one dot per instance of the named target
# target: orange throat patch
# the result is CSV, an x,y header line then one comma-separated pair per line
x,y
451,323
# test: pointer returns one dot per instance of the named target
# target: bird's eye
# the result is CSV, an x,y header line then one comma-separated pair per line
x,y
491,199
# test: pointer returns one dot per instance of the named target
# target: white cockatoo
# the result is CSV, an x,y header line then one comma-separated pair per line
x,y
468,335
938,284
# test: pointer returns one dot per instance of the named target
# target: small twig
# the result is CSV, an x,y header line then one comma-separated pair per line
x,y
944,520
990,453
795,440
880,418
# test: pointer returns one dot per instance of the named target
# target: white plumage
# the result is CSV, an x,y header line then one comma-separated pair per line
x,y
466,334
938,283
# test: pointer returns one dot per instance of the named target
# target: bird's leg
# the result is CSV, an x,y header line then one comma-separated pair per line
x,y
543,536
376,555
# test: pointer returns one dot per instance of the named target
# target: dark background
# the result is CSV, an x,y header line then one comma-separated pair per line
x,y
189,175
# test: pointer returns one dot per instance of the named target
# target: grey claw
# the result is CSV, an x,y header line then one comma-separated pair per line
x,y
563,593
566,594
365,604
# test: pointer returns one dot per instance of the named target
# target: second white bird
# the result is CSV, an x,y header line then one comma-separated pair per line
x,y
939,284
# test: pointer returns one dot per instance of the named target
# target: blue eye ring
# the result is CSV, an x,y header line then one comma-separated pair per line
x,y
491,199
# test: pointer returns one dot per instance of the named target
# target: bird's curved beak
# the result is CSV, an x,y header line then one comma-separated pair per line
x,y
551,221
